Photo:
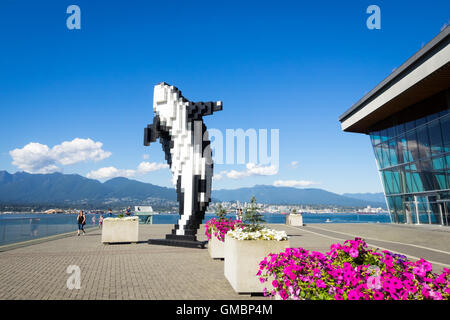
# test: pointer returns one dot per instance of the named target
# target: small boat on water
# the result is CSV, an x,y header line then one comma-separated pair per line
x,y
328,220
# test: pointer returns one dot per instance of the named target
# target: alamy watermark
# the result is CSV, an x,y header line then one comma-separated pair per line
x,y
374,280
374,20
74,280
249,146
74,20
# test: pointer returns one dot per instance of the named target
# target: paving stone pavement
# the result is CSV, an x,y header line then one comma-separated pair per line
x,y
119,271
152,272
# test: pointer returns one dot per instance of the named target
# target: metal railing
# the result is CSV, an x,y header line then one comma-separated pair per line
x,y
18,229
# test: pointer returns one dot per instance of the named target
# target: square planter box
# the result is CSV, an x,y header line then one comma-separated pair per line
x,y
116,230
242,258
216,248
295,220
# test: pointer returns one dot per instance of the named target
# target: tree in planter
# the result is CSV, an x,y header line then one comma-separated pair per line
x,y
221,212
294,211
252,217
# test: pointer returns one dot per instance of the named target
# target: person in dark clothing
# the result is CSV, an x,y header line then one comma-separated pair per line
x,y
81,220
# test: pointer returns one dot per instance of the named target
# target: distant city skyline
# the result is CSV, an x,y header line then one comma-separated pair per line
x,y
76,101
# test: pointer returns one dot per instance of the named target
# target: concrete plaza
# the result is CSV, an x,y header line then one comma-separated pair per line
x,y
142,271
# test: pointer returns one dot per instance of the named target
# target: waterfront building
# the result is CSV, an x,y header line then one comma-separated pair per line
x,y
407,117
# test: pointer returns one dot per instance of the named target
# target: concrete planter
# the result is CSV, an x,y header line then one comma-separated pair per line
x,y
116,230
242,258
216,248
295,220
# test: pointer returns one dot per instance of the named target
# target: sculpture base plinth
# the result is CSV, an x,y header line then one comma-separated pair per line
x,y
179,241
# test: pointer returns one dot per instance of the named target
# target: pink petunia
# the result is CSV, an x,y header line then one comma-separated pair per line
x,y
378,296
353,253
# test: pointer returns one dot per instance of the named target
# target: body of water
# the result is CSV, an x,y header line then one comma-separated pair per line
x,y
22,227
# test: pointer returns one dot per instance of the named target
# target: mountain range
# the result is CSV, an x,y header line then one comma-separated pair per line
x,y
57,188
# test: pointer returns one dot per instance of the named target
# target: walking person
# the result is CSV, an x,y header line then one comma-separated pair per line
x,y
81,219
110,212
100,221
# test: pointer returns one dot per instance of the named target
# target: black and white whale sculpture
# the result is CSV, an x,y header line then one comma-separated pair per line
x,y
178,123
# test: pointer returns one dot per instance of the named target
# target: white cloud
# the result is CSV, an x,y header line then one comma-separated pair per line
x,y
79,150
146,167
145,156
109,173
112,172
39,158
293,183
219,176
252,170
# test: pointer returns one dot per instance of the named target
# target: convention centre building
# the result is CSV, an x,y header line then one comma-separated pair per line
x,y
407,117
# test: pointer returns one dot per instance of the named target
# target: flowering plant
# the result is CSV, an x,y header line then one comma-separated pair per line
x,y
220,227
263,234
351,271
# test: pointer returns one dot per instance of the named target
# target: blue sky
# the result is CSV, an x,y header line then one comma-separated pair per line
x,y
275,65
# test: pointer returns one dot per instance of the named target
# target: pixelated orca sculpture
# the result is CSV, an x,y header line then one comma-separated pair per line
x,y
178,123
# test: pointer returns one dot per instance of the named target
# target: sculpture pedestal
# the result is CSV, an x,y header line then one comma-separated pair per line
x,y
179,241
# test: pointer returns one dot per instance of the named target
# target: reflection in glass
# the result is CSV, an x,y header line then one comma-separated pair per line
x,y
414,160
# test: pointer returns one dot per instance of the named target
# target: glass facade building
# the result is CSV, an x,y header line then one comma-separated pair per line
x,y
412,150
407,117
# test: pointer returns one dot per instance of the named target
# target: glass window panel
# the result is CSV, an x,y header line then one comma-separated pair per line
x,y
447,164
383,135
402,179
385,155
390,132
392,145
417,181
423,143
439,173
426,174
413,153
421,121
402,149
408,180
378,156
433,116
423,212
434,130
410,125
399,210
392,209
444,112
445,127
395,182
374,138
399,129
387,182
434,213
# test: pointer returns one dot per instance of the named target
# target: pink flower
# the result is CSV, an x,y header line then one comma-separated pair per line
x,y
353,295
419,272
378,296
353,253
283,294
320,284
